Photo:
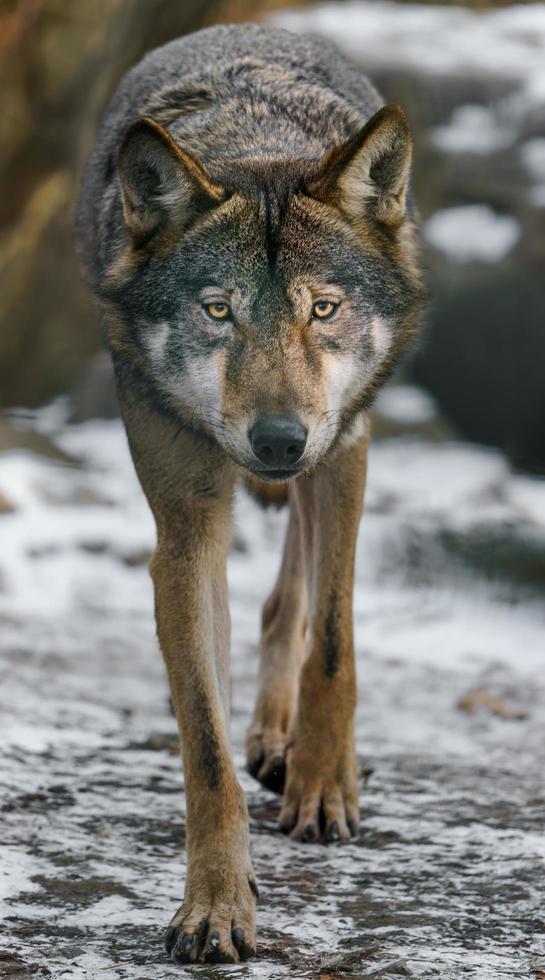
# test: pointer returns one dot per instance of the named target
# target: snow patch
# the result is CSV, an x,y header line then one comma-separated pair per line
x,y
473,232
406,404
472,129
436,40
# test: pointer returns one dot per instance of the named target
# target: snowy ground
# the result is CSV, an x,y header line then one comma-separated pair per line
x,y
446,879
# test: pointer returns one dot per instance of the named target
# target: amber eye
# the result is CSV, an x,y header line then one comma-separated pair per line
x,y
218,311
324,309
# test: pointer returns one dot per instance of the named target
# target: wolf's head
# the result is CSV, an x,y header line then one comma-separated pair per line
x,y
268,300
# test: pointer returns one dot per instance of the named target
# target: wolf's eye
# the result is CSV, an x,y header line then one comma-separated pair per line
x,y
324,309
218,311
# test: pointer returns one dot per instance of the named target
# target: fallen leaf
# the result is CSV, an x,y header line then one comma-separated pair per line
x,y
6,506
482,698
366,774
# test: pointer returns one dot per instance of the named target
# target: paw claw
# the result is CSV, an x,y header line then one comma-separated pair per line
x,y
178,954
244,950
266,757
352,826
272,775
333,833
309,835
287,824
188,945
254,765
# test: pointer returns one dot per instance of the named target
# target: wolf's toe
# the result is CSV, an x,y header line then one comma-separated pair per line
x,y
187,944
267,760
272,773
244,949
219,947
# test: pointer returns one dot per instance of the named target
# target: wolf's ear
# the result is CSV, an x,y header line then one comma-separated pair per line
x,y
162,184
370,173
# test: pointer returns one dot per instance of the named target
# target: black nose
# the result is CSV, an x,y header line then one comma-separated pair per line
x,y
278,441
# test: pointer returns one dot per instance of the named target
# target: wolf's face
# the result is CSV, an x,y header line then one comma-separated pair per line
x,y
267,309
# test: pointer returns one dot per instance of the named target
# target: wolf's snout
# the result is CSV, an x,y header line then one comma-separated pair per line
x,y
278,441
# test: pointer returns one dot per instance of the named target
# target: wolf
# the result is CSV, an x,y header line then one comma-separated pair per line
x,y
246,228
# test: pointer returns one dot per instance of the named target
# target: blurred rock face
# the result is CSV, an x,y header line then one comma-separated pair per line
x,y
473,85
59,62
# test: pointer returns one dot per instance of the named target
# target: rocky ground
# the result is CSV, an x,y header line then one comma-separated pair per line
x,y
446,878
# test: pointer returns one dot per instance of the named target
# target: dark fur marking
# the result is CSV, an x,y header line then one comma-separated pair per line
x,y
209,750
208,344
331,638
171,103
333,833
271,240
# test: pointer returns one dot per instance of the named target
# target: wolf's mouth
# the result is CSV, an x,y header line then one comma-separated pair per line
x,y
276,476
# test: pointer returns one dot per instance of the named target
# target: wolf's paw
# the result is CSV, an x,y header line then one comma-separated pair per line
x,y
320,804
266,755
217,931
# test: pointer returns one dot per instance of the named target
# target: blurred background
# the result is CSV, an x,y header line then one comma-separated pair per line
x,y
472,79
446,877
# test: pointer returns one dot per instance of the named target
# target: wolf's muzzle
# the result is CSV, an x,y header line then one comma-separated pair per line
x,y
278,441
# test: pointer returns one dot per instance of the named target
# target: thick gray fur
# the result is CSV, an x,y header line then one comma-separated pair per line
x,y
226,93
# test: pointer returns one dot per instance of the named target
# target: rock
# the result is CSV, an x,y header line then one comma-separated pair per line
x,y
13,967
74,496
346,961
14,436
58,68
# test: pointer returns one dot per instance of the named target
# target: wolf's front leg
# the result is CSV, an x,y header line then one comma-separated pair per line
x,y
216,922
320,796
189,485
